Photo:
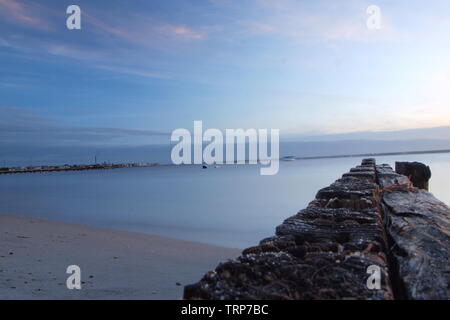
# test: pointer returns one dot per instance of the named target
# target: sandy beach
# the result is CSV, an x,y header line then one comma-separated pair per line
x,y
34,255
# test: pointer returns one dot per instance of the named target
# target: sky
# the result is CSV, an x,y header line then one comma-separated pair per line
x,y
139,69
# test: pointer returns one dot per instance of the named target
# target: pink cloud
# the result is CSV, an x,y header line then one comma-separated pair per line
x,y
145,32
120,33
18,13
134,71
324,21
184,32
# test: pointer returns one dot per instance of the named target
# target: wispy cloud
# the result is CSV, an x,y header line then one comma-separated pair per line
x,y
28,15
145,31
103,36
27,127
184,32
17,11
327,25
134,71
222,57
306,21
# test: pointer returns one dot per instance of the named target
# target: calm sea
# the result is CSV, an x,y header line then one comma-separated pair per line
x,y
231,206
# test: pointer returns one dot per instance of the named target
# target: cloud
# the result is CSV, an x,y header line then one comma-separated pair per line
x,y
184,32
323,21
101,31
134,71
15,10
30,15
24,126
434,133
145,31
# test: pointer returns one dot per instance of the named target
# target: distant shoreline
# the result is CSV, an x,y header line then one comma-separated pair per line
x,y
42,169
371,154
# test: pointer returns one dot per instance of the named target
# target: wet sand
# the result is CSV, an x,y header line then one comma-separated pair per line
x,y
34,256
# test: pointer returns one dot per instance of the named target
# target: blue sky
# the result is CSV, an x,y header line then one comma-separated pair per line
x,y
139,69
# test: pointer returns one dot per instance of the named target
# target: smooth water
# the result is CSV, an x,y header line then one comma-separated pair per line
x,y
231,206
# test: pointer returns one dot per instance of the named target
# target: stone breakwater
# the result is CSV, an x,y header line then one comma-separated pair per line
x,y
372,216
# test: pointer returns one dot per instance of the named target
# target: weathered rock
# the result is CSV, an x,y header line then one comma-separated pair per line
x,y
348,188
417,172
368,162
388,178
324,251
368,175
337,225
362,169
283,275
355,193
418,226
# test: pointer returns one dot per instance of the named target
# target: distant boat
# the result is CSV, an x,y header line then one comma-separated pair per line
x,y
289,158
205,167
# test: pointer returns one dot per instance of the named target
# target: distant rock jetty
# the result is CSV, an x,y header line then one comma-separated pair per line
x,y
372,216
80,167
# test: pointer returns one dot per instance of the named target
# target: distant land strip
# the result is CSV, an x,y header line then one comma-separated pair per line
x,y
40,169
367,155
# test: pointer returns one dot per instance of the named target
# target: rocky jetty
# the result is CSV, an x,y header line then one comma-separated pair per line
x,y
418,227
372,216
